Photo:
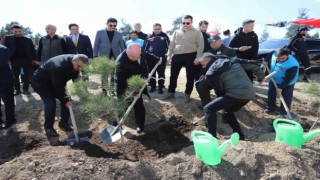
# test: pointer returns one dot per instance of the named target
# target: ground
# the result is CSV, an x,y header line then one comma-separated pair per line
x,y
164,150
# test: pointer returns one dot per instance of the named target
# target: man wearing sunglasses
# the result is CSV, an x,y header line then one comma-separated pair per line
x,y
287,73
187,45
108,42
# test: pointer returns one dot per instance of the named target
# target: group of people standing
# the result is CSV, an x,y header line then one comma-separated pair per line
x,y
227,66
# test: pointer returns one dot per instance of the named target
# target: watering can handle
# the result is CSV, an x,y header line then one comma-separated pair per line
x,y
277,121
203,134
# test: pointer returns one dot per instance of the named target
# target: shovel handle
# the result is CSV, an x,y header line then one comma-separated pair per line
x,y
136,98
75,129
280,95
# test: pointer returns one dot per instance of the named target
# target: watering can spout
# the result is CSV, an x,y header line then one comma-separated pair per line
x,y
233,141
310,135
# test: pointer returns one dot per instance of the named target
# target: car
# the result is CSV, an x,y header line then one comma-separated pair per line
x,y
313,46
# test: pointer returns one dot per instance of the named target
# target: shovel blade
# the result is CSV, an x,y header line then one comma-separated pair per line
x,y
106,134
73,141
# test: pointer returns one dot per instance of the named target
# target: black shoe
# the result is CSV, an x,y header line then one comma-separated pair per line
x,y
7,124
160,91
139,130
51,132
153,89
26,92
16,92
65,126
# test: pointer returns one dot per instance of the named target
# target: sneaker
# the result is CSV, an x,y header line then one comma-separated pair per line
x,y
26,92
169,96
160,91
7,124
187,98
153,89
16,92
51,132
65,126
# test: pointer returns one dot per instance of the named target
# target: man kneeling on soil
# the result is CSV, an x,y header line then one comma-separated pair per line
x,y
233,89
50,81
131,62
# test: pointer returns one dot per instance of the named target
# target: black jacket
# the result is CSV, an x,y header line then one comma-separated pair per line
x,y
9,42
6,75
127,68
245,39
157,44
142,35
84,46
54,74
206,42
298,45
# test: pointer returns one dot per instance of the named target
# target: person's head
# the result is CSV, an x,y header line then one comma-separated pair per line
x,y
282,54
205,59
17,30
203,26
137,27
227,32
133,35
74,28
157,29
303,31
112,24
215,41
187,22
51,29
133,51
79,61
248,25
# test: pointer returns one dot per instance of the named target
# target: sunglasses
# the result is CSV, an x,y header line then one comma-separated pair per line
x,y
112,25
185,23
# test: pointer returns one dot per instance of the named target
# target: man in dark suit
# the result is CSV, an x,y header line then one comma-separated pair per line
x,y
78,43
108,41
22,55
6,88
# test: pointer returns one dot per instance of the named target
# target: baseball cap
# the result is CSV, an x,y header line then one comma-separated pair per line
x,y
247,21
214,38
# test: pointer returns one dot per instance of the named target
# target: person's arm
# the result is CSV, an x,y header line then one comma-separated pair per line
x,y
121,78
33,53
200,44
59,85
290,75
172,44
122,45
167,42
255,47
292,44
96,45
89,48
40,50
231,53
233,43
4,57
64,46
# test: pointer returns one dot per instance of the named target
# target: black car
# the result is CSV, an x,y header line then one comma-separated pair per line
x,y
313,45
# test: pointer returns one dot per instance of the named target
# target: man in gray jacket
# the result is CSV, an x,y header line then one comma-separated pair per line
x,y
108,41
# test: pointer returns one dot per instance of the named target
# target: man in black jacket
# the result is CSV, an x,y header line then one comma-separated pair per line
x,y
299,46
131,62
157,44
22,56
141,35
246,43
6,88
50,80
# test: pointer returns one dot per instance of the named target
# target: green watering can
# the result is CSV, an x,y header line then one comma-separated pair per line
x,y
207,147
291,133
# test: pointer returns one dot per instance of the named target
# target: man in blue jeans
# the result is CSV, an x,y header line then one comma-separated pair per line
x,y
50,80
287,73
6,88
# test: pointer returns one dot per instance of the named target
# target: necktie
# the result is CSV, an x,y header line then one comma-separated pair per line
x,y
75,40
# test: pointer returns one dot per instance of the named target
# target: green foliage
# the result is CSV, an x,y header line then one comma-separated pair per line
x,y
176,23
312,88
104,104
6,30
291,30
125,29
265,35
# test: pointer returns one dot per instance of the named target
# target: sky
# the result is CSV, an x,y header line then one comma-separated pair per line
x,y
91,15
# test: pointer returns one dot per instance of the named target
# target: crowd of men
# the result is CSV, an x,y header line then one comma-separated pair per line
x,y
228,66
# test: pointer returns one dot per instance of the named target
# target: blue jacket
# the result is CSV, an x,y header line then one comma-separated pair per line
x,y
287,71
158,44
6,75
138,41
84,46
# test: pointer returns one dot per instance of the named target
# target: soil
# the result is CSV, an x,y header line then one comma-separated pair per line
x,y
164,150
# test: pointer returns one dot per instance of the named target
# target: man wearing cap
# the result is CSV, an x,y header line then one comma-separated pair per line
x,y
186,45
217,48
246,43
299,46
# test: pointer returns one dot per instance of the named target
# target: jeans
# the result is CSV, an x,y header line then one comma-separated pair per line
x,y
229,105
287,94
203,88
27,69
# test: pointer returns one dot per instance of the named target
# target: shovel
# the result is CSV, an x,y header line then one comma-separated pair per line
x,y
111,133
76,138
281,97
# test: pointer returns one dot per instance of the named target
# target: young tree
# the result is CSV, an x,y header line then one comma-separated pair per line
x,y
176,23
291,30
125,28
6,30
264,35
